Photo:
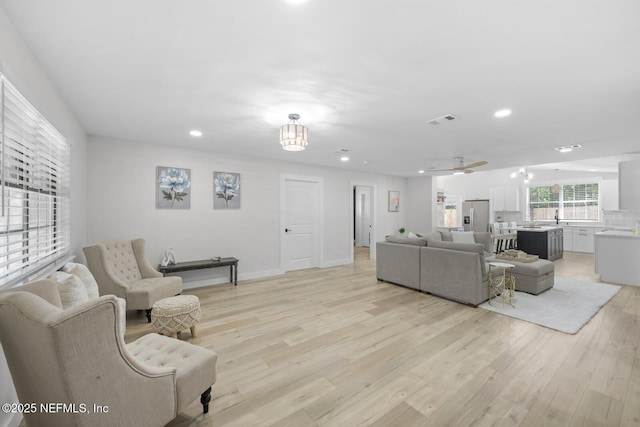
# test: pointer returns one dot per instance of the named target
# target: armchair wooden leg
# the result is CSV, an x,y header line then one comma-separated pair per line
x,y
148,311
205,398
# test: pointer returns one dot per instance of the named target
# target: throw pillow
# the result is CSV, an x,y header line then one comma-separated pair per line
x,y
411,235
445,236
85,275
71,289
463,236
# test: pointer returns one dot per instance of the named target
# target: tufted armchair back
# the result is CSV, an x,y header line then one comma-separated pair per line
x,y
116,264
120,260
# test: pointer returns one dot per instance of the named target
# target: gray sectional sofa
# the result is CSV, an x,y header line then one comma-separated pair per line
x,y
433,263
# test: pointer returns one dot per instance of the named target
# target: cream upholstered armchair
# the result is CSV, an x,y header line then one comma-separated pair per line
x,y
78,357
121,268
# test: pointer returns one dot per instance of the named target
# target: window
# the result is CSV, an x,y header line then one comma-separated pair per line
x,y
574,202
451,215
34,180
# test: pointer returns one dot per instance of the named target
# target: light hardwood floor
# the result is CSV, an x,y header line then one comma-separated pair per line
x,y
335,347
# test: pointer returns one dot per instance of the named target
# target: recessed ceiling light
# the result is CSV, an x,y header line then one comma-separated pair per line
x,y
420,171
502,113
344,159
567,148
366,162
196,133
458,173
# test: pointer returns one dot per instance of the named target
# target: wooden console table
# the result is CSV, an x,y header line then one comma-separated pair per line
x,y
231,262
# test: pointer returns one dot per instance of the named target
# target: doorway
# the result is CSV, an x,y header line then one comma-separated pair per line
x,y
302,210
362,227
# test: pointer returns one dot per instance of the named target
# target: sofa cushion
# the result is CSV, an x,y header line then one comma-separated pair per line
x,y
71,289
463,236
195,366
419,241
85,275
467,247
432,236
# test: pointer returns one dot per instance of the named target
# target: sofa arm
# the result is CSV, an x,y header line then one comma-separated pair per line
x,y
453,274
398,263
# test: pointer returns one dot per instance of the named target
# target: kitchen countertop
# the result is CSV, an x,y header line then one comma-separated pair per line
x,y
538,229
618,233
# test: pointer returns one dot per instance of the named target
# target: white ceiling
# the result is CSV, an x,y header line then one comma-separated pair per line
x,y
363,75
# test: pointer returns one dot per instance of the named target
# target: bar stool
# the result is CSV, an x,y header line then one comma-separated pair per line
x,y
503,284
505,241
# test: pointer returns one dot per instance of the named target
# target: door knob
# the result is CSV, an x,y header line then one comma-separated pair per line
x,y
286,230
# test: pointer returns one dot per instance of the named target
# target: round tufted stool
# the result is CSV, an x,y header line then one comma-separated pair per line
x,y
174,314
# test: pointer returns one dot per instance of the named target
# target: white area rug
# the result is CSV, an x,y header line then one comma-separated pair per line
x,y
566,307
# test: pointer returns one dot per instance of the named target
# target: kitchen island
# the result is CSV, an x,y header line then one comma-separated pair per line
x,y
544,241
616,256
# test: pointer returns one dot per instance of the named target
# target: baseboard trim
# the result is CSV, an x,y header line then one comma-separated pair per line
x,y
336,263
213,281
193,284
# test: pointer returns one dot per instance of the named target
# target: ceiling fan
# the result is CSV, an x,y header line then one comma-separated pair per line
x,y
459,167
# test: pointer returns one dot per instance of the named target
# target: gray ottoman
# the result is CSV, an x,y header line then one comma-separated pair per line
x,y
533,277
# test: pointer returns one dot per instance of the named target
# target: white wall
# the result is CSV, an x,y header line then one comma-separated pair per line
x,y
24,72
122,205
419,204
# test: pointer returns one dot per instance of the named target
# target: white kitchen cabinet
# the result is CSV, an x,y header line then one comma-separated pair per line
x,y
567,233
506,199
582,239
482,193
609,195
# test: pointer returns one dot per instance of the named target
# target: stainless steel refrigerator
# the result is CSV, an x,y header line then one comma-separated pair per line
x,y
475,215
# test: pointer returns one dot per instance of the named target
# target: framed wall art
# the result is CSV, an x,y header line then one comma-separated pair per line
x,y
394,201
173,188
226,190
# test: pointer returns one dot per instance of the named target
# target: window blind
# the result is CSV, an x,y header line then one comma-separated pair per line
x,y
573,202
35,180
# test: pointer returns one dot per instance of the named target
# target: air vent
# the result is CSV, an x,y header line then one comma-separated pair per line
x,y
443,119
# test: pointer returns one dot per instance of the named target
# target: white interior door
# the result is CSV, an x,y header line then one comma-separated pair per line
x,y
301,220
363,216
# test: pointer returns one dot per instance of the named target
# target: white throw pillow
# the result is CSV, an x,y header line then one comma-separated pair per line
x,y
411,235
71,289
85,275
463,236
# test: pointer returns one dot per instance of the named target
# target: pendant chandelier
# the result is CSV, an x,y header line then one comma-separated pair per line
x,y
294,136
524,174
